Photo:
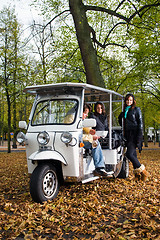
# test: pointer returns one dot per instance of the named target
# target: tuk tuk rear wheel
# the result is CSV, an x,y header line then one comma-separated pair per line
x,y
44,183
124,173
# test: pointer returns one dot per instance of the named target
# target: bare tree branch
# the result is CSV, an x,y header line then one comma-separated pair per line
x,y
104,45
120,16
121,3
112,29
134,7
156,4
152,93
56,17
109,11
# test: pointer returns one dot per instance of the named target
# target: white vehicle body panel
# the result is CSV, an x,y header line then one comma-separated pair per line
x,y
110,156
73,161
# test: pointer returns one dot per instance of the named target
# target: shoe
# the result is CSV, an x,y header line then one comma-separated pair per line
x,y
137,177
100,172
110,174
141,173
144,175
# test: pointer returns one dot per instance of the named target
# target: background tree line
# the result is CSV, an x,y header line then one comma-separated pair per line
x,y
113,45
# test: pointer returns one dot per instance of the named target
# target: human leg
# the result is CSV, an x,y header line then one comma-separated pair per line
x,y
98,159
131,154
139,169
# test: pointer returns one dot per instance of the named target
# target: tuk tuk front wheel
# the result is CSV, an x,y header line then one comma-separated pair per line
x,y
44,183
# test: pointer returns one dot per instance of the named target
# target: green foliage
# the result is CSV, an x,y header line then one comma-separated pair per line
x,y
14,74
144,58
127,52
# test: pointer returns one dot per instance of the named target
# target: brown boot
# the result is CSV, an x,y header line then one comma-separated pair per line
x,y
144,175
141,173
137,176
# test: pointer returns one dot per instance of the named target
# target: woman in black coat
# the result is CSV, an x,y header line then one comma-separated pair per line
x,y
131,118
100,117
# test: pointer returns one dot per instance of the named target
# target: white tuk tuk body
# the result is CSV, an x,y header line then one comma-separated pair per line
x,y
54,136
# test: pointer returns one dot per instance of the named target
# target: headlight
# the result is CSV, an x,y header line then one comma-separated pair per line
x,y
21,137
43,138
66,137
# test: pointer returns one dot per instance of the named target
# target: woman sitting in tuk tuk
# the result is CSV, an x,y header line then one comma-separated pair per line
x,y
89,140
100,116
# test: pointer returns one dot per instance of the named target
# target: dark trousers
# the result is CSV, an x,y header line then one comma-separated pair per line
x,y
131,154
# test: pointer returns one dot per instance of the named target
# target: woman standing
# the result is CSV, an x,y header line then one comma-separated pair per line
x,y
133,126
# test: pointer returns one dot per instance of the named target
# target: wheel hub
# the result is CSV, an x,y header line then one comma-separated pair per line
x,y
49,184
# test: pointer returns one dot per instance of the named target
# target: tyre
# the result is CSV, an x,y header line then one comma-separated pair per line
x,y
44,183
124,173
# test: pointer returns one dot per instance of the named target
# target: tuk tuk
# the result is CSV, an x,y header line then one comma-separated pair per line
x,y
54,146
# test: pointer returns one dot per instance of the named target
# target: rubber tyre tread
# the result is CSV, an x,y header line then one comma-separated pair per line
x,y
36,180
125,169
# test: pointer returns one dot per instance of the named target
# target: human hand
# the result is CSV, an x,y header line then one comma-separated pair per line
x,y
139,146
95,137
92,131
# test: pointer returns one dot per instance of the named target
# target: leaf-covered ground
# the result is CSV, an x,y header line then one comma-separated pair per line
x,y
115,209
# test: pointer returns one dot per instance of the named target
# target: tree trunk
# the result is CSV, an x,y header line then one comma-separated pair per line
x,y
14,91
7,94
143,117
9,123
88,53
14,116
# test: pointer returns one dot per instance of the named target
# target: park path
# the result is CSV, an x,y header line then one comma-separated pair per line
x,y
4,147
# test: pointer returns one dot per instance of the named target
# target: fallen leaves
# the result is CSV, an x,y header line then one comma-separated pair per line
x,y
117,209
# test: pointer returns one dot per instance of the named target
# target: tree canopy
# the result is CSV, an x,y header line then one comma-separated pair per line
x,y
110,44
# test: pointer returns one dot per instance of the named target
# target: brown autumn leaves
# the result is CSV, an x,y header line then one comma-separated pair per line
x,y
116,209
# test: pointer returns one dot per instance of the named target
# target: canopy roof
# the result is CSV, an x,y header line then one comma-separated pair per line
x,y
92,93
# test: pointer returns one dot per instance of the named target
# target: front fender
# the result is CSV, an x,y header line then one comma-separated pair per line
x,y
47,155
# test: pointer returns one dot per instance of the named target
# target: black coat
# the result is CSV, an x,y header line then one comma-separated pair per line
x,y
133,124
101,122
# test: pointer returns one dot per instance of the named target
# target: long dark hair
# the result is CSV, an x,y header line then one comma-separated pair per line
x,y
134,101
103,108
86,105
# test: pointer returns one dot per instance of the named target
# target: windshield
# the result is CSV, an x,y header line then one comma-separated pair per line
x,y
55,112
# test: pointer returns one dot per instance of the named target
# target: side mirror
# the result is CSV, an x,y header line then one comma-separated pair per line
x,y
89,122
23,124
